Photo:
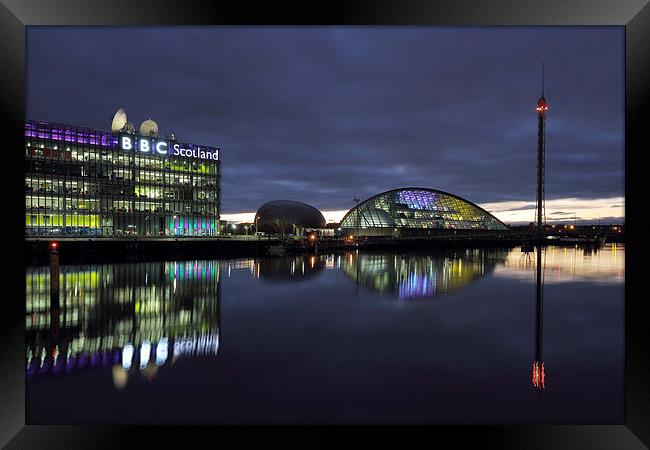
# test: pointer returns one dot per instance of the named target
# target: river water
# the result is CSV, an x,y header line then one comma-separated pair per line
x,y
438,336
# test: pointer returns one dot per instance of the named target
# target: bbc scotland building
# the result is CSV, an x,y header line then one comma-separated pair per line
x,y
82,182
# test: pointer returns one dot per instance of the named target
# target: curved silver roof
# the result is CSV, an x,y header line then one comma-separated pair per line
x,y
280,216
415,207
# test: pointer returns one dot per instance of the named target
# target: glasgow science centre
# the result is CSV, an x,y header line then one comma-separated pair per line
x,y
416,211
88,183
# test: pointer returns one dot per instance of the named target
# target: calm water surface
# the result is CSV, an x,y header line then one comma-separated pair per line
x,y
446,336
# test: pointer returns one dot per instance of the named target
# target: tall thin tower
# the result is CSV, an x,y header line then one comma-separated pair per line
x,y
541,113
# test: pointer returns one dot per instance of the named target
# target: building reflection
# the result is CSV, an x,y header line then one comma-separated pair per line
x,y
281,268
411,276
129,317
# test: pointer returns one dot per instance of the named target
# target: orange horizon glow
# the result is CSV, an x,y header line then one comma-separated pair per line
x,y
511,212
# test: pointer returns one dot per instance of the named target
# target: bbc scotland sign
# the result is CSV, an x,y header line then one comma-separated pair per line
x,y
164,147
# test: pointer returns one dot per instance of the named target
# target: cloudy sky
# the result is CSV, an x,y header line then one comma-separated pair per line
x,y
326,114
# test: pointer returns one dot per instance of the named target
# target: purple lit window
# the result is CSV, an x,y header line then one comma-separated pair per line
x,y
417,199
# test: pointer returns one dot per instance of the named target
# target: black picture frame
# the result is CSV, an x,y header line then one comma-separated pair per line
x,y
16,15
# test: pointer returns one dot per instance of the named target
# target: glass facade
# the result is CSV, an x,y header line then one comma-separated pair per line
x,y
80,182
418,208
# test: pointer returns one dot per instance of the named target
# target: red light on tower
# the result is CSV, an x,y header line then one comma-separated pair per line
x,y
542,106
54,245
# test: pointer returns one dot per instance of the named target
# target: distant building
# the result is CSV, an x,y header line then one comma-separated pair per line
x,y
239,228
414,211
320,232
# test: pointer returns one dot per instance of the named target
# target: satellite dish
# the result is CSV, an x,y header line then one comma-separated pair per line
x,y
119,120
149,128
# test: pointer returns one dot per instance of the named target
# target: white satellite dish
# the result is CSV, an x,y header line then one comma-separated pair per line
x,y
119,120
149,128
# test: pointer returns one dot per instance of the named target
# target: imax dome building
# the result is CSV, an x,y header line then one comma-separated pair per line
x,y
414,211
288,217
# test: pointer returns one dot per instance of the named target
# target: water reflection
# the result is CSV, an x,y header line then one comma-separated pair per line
x,y
563,264
539,372
411,276
280,268
131,317
115,326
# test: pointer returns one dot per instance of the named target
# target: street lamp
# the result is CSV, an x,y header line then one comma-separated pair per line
x,y
256,219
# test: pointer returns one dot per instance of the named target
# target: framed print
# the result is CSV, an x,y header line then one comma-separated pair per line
x,y
422,215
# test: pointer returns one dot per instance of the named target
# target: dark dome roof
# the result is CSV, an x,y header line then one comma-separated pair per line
x,y
280,216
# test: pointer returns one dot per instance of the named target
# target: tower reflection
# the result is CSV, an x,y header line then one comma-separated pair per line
x,y
412,276
539,375
131,317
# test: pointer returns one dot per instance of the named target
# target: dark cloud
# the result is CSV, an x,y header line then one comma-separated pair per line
x,y
523,208
324,114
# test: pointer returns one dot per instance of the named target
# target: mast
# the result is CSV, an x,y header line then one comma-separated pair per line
x,y
542,107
